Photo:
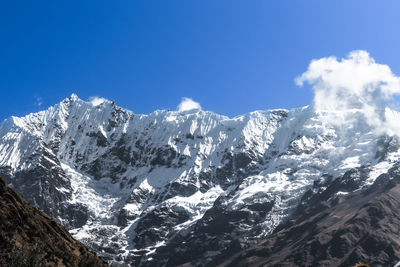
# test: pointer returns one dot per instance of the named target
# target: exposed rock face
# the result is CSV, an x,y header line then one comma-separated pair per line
x,y
174,187
344,230
29,237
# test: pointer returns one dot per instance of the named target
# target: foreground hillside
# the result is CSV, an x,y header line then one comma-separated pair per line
x,y
28,237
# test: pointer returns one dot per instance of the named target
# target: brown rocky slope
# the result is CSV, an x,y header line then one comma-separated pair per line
x,y
29,237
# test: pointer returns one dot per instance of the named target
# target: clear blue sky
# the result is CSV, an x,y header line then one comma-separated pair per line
x,y
231,56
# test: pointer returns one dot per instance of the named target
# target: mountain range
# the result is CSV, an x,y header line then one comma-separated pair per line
x,y
194,188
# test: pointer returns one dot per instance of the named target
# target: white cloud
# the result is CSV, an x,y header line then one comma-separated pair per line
x,y
354,85
95,100
188,104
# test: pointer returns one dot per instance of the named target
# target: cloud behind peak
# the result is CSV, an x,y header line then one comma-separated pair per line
x,y
188,104
355,83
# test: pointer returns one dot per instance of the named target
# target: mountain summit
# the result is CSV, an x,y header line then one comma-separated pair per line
x,y
189,186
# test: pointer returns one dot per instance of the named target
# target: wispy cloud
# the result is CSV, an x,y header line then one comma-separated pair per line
x,y
38,101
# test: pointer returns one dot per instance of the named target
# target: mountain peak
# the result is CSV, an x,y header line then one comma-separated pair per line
x,y
73,97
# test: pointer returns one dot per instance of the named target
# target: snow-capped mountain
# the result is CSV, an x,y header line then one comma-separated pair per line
x,y
173,187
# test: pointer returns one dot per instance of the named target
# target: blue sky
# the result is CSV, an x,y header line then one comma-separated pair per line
x,y
231,56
